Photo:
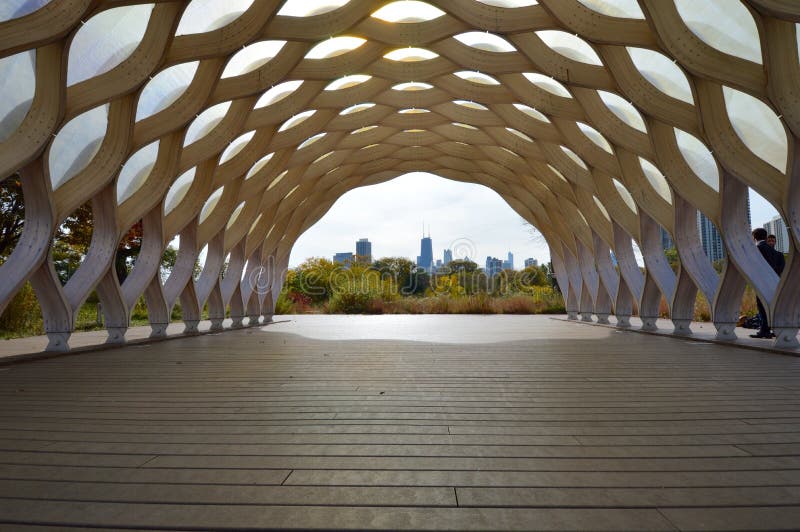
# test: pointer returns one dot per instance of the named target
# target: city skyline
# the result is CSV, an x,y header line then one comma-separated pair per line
x,y
468,218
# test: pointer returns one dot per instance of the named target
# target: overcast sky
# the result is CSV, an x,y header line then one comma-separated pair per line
x,y
470,219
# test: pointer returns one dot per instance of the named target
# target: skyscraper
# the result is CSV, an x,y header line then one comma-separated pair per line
x,y
493,266
666,240
344,257
777,227
448,257
509,264
364,250
425,258
531,262
710,238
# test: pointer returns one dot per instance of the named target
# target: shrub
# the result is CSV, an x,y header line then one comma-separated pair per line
x,y
350,302
23,315
285,305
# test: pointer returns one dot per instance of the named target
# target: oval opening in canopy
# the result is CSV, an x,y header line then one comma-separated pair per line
x,y
486,41
548,84
164,88
309,8
656,179
570,46
408,11
76,145
297,119
615,8
235,147
698,157
662,73
179,189
347,82
595,136
202,16
334,46
11,9
278,93
356,108
410,55
626,196
17,84
725,25
252,57
136,171
531,112
623,110
477,77
758,127
509,4
412,86
205,122
210,204
106,40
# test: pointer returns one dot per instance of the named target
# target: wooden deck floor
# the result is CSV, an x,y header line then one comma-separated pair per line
x,y
303,425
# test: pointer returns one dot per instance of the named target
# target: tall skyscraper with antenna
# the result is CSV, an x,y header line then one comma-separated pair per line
x,y
425,257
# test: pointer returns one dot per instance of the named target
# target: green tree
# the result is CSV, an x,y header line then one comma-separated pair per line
x,y
127,250
72,241
401,271
314,278
462,265
673,259
12,215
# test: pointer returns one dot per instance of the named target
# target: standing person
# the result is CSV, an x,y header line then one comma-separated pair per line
x,y
777,262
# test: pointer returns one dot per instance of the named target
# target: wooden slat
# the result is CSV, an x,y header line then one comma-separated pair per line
x,y
572,428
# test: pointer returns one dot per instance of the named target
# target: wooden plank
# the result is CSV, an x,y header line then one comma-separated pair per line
x,y
229,494
217,517
597,431
658,497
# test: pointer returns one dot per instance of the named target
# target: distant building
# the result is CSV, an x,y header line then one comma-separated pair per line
x,y
364,250
439,263
344,257
666,240
710,238
531,262
777,227
448,257
509,263
425,257
493,266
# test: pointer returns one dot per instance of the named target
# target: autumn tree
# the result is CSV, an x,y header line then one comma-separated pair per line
x,y
12,215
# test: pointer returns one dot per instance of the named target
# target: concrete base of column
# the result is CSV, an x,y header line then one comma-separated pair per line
x,y
682,327
190,326
58,342
725,331
603,318
649,323
216,324
237,322
786,338
586,316
252,321
623,321
572,315
116,335
158,330
267,318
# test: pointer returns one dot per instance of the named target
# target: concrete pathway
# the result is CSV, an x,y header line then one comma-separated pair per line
x,y
404,423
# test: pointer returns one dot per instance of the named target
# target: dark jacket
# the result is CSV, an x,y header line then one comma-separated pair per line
x,y
772,256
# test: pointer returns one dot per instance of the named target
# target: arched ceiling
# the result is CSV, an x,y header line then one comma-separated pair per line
x,y
253,116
